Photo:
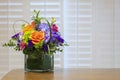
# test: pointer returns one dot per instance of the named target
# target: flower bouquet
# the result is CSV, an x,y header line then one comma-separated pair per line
x,y
38,40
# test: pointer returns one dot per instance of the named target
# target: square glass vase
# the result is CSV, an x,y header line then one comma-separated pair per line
x,y
41,63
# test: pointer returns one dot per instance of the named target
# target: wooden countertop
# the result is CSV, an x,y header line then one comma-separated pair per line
x,y
65,74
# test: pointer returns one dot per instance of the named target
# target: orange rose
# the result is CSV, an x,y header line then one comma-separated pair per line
x,y
33,24
37,36
27,28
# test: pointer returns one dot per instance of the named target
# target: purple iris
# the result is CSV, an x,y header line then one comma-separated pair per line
x,y
45,27
56,38
18,42
61,40
30,44
45,47
16,36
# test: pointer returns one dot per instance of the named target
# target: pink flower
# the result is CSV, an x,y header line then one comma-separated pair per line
x,y
54,28
22,45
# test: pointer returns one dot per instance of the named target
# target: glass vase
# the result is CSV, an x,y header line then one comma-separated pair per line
x,y
39,63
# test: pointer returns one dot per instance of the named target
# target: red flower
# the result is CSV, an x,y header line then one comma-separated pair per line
x,y
22,45
54,28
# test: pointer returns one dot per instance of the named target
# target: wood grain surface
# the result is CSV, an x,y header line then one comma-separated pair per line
x,y
65,74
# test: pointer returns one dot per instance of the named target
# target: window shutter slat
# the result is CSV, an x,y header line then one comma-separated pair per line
x,y
4,62
78,32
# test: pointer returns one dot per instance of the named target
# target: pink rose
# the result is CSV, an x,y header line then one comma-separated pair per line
x,y
55,28
22,45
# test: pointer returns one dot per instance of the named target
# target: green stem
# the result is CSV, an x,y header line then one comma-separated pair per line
x,y
48,49
18,21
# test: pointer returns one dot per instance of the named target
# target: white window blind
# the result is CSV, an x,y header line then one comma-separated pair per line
x,y
15,12
4,62
105,49
117,32
78,21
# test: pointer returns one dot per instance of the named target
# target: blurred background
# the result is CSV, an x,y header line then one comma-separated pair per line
x,y
90,27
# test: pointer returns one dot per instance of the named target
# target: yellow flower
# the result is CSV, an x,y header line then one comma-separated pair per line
x,y
26,36
37,36
53,20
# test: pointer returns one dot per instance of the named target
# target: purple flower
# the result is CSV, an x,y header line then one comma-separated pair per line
x,y
56,38
30,44
45,47
55,34
61,40
16,36
45,27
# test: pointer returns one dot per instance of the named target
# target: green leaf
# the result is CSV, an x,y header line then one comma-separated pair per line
x,y
23,25
39,45
10,44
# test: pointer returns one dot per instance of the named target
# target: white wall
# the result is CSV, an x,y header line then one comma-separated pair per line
x,y
117,33
106,36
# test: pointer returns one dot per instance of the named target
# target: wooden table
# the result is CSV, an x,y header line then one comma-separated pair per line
x,y
65,74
